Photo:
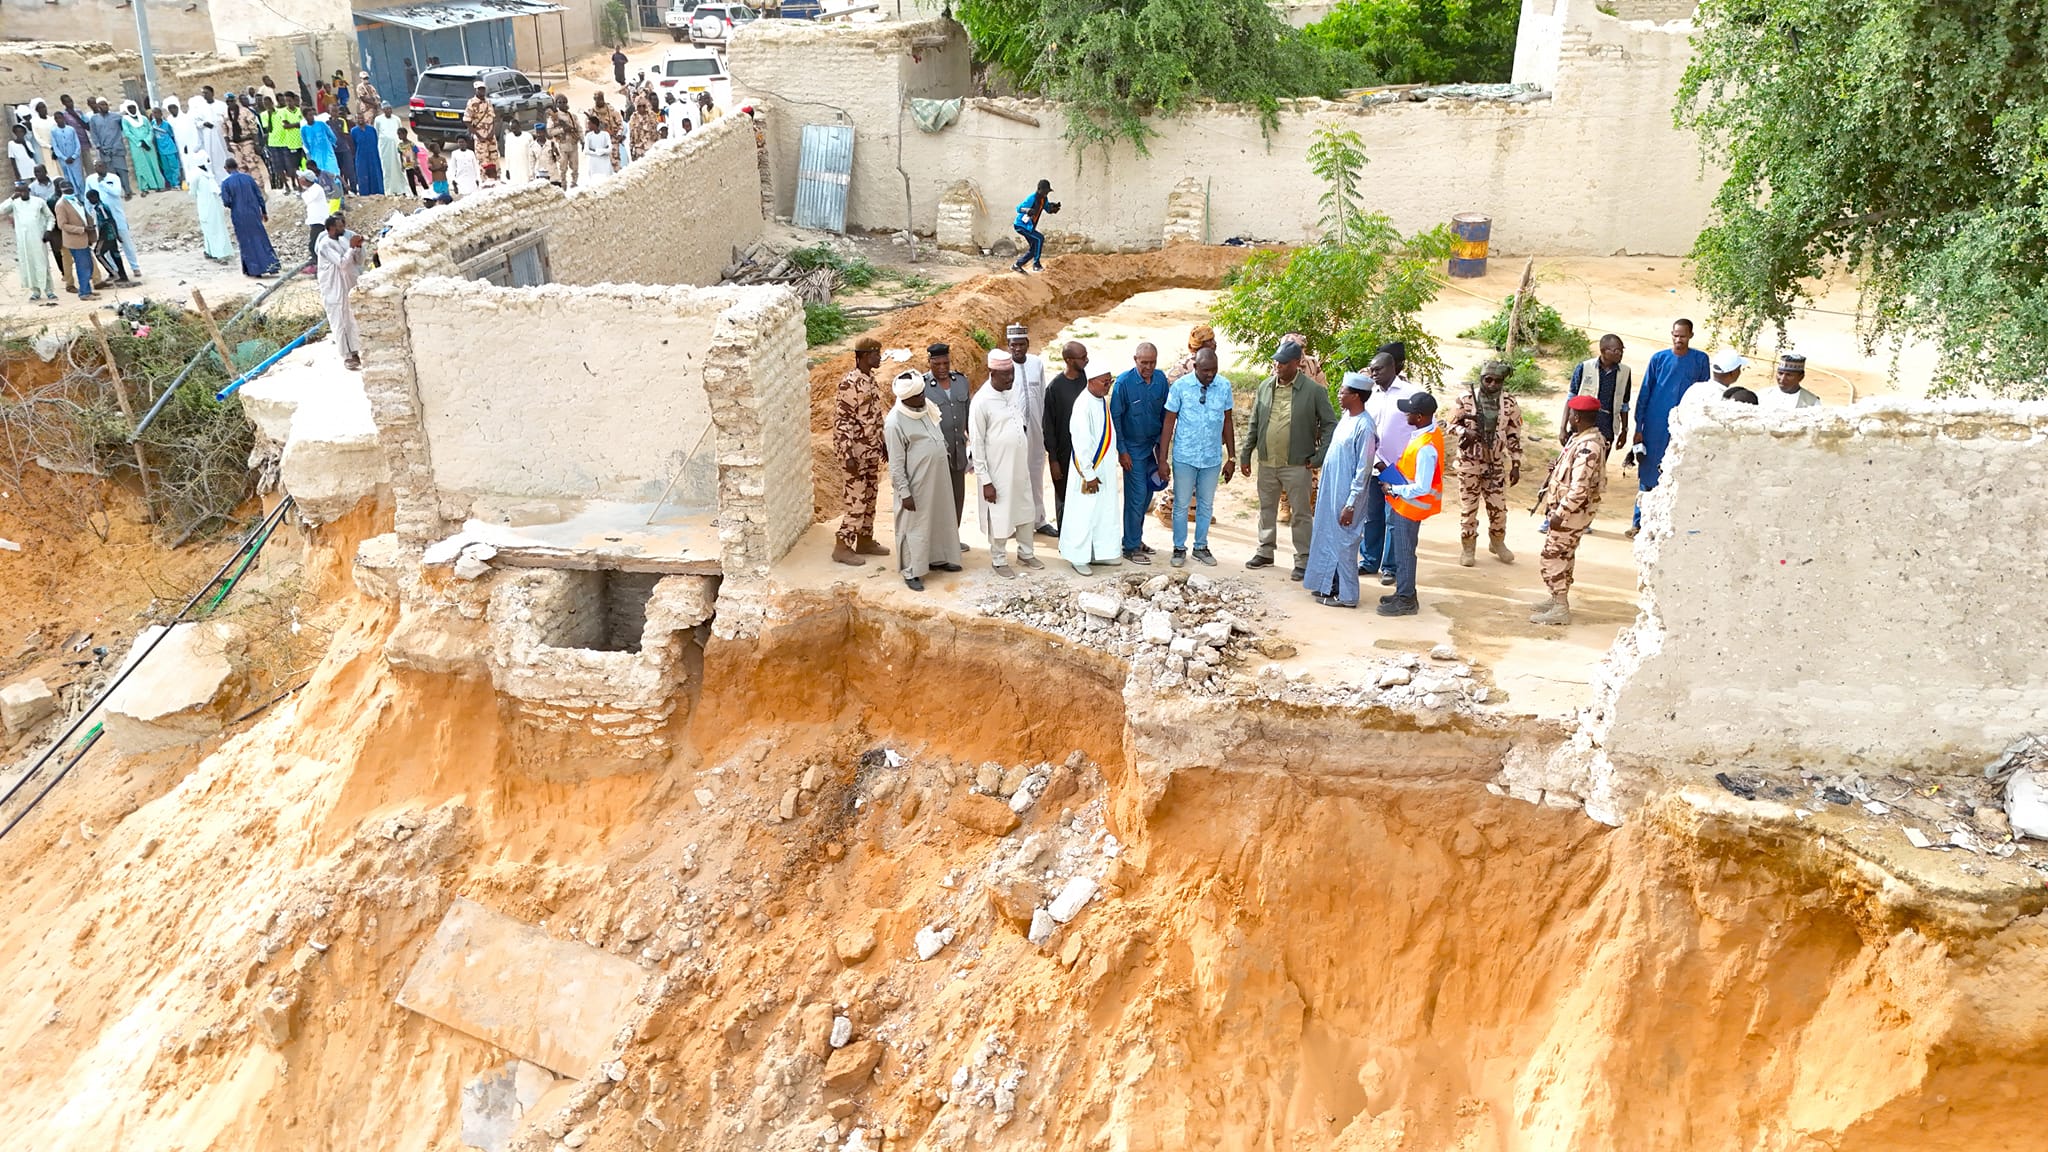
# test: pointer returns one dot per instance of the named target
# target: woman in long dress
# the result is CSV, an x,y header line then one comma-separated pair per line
x,y
141,137
167,149
597,150
369,160
213,212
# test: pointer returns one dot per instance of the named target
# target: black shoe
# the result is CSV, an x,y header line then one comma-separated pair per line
x,y
913,583
1387,579
1147,549
946,568
1048,531
1180,557
1137,556
1259,562
1205,556
1399,606
1300,570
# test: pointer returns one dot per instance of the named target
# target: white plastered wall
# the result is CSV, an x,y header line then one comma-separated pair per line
x,y
560,392
1839,588
1595,170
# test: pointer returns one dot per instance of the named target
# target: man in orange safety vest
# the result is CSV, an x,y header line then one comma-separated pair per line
x,y
1415,492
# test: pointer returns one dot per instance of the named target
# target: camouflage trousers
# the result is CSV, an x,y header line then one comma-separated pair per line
x,y
863,478
1560,550
1479,482
486,151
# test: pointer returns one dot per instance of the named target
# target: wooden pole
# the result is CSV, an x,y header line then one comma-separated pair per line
x,y
127,411
227,362
1515,313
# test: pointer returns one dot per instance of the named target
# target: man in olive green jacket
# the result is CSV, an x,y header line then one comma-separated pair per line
x,y
1290,430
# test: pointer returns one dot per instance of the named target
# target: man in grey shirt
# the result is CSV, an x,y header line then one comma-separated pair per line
x,y
949,392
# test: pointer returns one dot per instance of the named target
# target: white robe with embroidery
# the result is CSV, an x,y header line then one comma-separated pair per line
x,y
1092,526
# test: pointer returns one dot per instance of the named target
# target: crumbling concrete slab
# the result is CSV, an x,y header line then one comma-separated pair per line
x,y
24,704
555,1002
318,411
180,694
493,1103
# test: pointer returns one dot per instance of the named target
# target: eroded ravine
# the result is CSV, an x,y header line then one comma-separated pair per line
x,y
1313,932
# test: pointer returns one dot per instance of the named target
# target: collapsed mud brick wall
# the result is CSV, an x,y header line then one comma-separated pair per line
x,y
1606,87
530,393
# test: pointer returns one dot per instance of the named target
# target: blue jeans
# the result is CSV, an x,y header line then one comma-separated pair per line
x,y
1137,496
1402,534
81,264
1034,242
1200,484
1374,545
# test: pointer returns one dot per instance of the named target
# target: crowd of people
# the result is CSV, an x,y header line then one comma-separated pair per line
x,y
75,171
1361,476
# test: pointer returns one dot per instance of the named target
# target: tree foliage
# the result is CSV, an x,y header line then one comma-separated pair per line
x,y
1424,41
1904,140
614,26
1361,285
1114,62
1542,329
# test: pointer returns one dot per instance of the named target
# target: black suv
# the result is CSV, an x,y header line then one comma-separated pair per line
x,y
443,93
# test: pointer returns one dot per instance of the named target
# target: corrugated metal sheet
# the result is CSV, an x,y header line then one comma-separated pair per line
x,y
453,13
824,168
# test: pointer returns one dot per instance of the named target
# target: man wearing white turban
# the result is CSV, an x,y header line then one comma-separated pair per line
x,y
927,529
1000,449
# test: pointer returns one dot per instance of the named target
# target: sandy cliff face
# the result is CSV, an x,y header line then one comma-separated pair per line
x,y
1286,948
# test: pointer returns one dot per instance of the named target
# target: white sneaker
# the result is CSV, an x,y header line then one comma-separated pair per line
x,y
1083,570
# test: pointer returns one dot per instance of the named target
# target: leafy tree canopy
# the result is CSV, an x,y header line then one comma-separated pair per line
x,y
1906,140
1361,285
1113,62
1425,41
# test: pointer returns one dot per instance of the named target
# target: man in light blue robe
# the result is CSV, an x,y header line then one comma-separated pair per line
x,y
1341,494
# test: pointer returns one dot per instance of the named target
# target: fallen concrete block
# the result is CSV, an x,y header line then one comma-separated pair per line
x,y
555,1002
178,695
493,1103
25,704
982,813
377,565
320,412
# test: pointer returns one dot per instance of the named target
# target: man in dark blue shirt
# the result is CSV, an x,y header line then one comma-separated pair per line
x,y
1137,407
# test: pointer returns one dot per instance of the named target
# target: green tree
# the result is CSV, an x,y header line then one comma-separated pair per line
x,y
1424,41
1903,140
615,28
1115,62
1361,285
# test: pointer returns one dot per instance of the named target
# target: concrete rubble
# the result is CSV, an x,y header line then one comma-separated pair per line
x,y
318,416
25,704
181,693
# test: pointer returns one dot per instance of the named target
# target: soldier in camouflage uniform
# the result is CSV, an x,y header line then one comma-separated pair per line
x,y
646,130
1570,496
857,441
483,131
614,126
1486,436
564,142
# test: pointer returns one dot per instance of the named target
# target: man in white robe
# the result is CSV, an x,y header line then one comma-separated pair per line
x,y
465,178
208,114
1000,450
1092,523
1031,394
340,256
516,166
927,531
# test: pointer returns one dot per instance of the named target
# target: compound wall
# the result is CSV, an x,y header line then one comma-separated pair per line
x,y
1594,169
1840,587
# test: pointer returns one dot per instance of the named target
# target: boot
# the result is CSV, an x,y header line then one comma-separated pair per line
x,y
1557,612
1499,548
1467,557
845,555
869,546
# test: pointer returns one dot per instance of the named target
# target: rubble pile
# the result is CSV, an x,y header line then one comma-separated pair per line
x,y
1177,629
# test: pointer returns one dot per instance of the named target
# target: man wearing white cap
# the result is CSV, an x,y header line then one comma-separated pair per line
x,y
1092,522
1791,390
927,534
1030,394
1727,367
1001,454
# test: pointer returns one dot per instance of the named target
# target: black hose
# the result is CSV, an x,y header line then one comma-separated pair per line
x,y
94,738
255,538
